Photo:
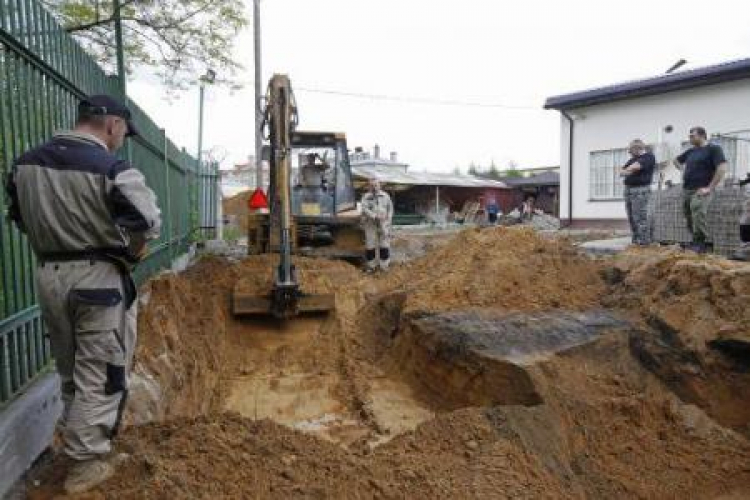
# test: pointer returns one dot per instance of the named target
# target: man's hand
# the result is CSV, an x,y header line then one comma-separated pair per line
x,y
704,191
138,247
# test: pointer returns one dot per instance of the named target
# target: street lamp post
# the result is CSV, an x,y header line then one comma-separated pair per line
x,y
208,78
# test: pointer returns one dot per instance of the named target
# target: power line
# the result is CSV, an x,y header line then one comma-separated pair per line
x,y
416,100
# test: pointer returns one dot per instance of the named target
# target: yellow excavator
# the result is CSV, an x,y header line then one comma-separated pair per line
x,y
311,208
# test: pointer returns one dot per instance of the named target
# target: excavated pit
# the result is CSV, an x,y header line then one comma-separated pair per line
x,y
484,358
499,365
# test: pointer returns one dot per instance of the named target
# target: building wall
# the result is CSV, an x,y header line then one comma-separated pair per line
x,y
722,108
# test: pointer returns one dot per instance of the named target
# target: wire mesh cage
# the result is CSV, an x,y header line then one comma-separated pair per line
x,y
725,208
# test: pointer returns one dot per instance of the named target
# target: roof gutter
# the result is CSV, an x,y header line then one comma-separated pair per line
x,y
570,166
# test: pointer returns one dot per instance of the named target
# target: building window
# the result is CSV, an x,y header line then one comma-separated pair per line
x,y
605,182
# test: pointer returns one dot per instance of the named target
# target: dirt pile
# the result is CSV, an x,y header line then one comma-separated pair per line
x,y
607,430
235,208
696,320
179,364
533,391
499,268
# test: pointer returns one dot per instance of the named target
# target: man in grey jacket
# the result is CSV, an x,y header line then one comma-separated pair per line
x,y
377,214
88,216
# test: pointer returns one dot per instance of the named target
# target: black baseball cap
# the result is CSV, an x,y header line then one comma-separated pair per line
x,y
104,105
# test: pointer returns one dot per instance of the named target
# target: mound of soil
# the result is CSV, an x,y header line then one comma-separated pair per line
x,y
696,326
337,406
500,268
236,208
607,430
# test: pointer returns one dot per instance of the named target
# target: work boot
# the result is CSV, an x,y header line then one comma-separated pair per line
x,y
88,474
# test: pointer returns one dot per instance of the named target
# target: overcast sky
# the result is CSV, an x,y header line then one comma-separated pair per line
x,y
509,53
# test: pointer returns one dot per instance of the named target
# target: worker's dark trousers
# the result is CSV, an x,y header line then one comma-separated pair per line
x,y
745,227
93,336
745,223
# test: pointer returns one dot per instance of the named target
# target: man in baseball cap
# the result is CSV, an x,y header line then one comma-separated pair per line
x,y
88,216
106,107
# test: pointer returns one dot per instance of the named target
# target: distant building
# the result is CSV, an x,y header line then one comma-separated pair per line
x,y
433,197
545,187
361,158
528,172
241,177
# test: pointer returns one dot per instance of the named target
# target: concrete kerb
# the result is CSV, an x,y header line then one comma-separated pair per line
x,y
27,426
606,247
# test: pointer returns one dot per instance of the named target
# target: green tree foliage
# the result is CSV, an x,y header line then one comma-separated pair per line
x,y
512,170
473,170
177,39
493,172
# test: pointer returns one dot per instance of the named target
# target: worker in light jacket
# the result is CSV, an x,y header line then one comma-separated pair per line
x,y
87,215
377,214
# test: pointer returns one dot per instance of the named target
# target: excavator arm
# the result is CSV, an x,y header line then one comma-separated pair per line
x,y
285,299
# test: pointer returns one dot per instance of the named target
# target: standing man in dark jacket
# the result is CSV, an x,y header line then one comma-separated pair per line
x,y
638,173
703,167
87,215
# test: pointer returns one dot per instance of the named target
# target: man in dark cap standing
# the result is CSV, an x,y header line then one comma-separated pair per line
x,y
88,216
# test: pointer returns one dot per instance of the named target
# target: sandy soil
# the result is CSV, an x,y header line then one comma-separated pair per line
x,y
412,388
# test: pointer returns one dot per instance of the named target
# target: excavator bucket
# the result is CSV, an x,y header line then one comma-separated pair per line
x,y
245,304
285,301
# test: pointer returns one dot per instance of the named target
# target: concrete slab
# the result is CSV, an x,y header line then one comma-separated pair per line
x,y
26,428
606,247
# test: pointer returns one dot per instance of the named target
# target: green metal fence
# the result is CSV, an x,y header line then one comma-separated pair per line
x,y
43,73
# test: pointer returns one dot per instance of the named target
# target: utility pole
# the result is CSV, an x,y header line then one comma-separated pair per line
x,y
258,94
207,79
120,49
121,76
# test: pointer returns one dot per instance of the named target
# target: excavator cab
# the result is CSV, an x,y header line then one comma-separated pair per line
x,y
322,175
323,200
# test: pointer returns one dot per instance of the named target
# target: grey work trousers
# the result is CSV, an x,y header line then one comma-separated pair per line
x,y
377,239
636,206
92,335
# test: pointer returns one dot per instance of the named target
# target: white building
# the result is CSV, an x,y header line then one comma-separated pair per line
x,y
361,158
596,126
242,177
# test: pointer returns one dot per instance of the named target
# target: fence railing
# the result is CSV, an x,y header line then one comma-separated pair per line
x,y
43,74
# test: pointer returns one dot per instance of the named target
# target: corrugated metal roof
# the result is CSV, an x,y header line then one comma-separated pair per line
x,y
391,175
719,73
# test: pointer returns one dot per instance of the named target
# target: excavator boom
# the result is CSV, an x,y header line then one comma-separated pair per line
x,y
285,300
